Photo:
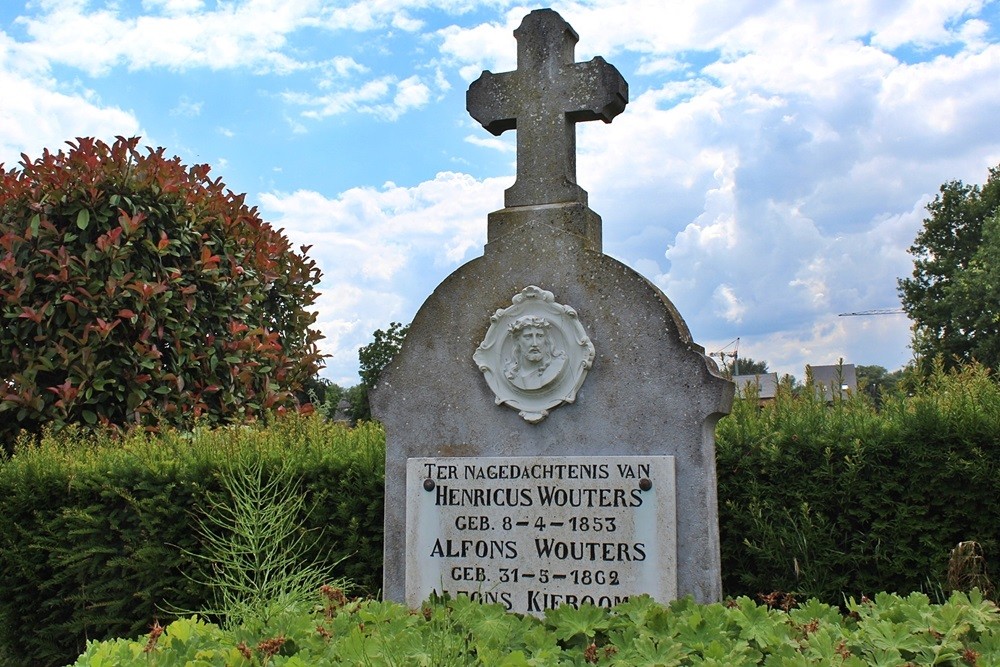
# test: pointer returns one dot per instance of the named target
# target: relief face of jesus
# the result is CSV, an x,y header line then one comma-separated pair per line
x,y
534,362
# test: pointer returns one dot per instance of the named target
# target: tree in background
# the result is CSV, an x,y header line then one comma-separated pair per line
x,y
748,366
323,394
374,357
953,297
877,382
137,291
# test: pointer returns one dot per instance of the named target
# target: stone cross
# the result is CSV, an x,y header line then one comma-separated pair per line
x,y
543,99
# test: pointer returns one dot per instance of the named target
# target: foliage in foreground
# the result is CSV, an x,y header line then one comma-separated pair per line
x,y
135,290
824,501
99,536
887,631
258,558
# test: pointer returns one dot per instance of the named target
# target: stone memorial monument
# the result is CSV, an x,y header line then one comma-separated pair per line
x,y
549,421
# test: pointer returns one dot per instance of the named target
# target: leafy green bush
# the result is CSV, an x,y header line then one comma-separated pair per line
x,y
824,501
890,631
827,500
98,536
137,291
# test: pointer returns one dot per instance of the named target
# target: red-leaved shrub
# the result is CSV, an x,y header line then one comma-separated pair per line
x,y
135,290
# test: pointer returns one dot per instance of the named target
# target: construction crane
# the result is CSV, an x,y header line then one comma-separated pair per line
x,y
875,311
734,355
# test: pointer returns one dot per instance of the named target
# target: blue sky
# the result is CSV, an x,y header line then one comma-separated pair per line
x,y
770,171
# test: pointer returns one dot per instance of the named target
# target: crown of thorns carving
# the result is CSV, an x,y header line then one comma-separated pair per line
x,y
527,321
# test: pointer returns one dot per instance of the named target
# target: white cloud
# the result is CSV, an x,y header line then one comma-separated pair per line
x,y
184,35
927,23
500,144
376,248
728,305
813,156
403,21
372,97
174,6
344,66
769,172
186,108
655,65
36,114
411,93
943,97
488,46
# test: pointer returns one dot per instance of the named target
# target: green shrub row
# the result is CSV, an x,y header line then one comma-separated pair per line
x,y
889,631
823,501
840,499
99,537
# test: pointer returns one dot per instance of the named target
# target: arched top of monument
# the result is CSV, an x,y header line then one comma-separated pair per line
x,y
646,370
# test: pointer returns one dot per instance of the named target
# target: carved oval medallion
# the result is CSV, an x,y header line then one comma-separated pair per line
x,y
536,354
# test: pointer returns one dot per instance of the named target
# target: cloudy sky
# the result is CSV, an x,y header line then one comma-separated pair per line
x,y
769,173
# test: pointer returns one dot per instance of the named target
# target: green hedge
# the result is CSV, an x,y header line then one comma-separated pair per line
x,y
818,500
96,536
833,500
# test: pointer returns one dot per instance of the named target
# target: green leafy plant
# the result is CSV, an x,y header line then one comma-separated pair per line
x,y
373,359
376,355
825,501
255,546
135,290
97,529
889,630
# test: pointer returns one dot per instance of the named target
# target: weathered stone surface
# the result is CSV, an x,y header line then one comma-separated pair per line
x,y
543,99
576,218
649,391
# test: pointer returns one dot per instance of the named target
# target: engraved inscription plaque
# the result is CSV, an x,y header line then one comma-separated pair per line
x,y
532,533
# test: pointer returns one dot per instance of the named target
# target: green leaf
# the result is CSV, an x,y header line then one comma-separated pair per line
x,y
659,653
891,637
515,659
178,328
568,622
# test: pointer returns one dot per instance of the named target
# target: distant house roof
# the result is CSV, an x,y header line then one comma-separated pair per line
x,y
766,383
838,380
